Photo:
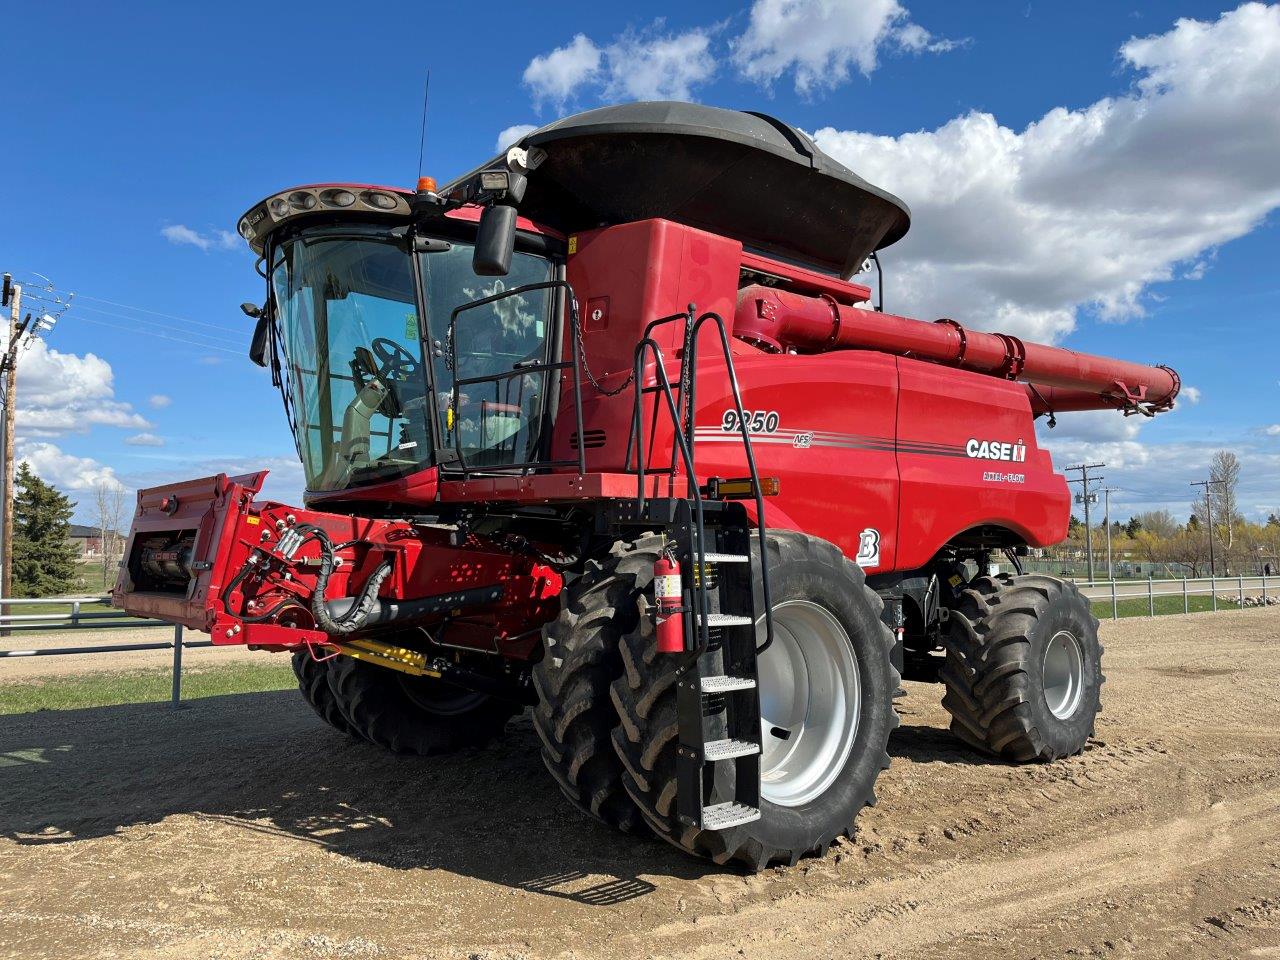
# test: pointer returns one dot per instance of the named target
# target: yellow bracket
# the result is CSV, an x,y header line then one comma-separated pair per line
x,y
384,655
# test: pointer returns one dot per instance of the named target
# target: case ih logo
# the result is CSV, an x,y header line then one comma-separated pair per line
x,y
995,450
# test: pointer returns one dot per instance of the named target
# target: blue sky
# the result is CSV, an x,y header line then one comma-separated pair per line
x,y
1133,217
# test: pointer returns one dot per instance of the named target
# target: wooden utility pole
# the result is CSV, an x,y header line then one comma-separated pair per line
x,y
1087,499
6,437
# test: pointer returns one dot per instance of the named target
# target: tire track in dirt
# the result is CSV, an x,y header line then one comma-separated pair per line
x,y
243,828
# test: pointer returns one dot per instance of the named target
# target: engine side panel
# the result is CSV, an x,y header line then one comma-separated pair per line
x,y
967,458
824,425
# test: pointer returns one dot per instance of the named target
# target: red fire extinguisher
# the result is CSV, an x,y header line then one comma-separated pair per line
x,y
669,596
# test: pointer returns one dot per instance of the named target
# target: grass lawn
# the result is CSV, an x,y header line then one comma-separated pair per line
x,y
142,686
1141,606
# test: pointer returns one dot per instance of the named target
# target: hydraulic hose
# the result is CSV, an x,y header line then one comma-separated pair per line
x,y
366,601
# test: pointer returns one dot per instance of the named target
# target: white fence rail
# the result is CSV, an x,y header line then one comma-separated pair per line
x,y
1237,590
77,618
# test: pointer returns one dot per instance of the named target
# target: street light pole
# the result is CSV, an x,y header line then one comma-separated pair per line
x,y
1208,504
1106,499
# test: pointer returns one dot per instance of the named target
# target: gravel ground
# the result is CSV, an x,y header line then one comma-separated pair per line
x,y
242,827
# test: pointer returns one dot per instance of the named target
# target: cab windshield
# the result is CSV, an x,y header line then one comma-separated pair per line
x,y
365,377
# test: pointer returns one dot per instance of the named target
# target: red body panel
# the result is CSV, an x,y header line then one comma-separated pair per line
x,y
425,563
888,436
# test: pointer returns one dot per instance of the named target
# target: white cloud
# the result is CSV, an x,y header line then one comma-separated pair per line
x,y
65,471
1017,230
556,76
159,400
652,66
637,65
1273,430
511,134
1152,476
144,440
1189,394
823,40
66,392
179,234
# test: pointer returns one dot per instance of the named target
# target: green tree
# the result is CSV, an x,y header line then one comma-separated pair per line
x,y
1074,526
44,558
1133,527
1273,521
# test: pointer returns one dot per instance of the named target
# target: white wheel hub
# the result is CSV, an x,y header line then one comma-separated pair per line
x,y
810,702
1062,674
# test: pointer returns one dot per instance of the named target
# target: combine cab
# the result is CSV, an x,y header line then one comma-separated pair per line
x,y
603,428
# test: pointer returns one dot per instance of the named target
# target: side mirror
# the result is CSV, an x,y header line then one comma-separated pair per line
x,y
495,241
261,341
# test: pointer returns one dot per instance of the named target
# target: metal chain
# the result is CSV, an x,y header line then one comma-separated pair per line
x,y
586,367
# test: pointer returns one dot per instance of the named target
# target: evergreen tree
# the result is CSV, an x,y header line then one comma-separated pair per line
x,y
44,558
1273,521
1074,526
1133,527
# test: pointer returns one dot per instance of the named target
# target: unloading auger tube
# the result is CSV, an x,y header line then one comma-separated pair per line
x,y
1058,379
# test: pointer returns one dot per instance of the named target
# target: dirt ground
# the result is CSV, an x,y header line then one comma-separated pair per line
x,y
243,828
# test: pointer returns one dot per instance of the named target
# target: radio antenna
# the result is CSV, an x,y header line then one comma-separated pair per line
x,y
422,139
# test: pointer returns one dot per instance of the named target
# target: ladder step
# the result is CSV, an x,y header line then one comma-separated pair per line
x,y
714,750
722,816
725,558
726,684
726,620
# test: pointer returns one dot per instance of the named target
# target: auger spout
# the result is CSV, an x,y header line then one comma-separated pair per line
x,y
1058,379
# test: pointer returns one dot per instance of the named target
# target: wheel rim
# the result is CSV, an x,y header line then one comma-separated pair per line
x,y
810,702
1063,674
440,698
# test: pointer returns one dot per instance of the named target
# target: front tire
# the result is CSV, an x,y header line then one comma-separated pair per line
x,y
574,716
414,715
1024,668
814,578
313,683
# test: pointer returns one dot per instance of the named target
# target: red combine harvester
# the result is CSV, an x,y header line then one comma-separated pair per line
x,y
602,428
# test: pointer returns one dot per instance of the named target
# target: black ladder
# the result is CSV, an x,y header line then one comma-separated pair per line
x,y
717,693
718,696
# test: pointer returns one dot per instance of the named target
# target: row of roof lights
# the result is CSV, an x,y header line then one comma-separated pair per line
x,y
336,198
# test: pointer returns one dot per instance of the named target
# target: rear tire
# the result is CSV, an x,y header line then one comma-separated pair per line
x,y
414,715
1024,668
815,576
575,716
313,682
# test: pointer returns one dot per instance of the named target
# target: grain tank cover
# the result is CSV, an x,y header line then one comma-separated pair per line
x,y
742,175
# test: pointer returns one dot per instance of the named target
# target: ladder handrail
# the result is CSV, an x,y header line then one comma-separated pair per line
x,y
685,446
747,448
648,344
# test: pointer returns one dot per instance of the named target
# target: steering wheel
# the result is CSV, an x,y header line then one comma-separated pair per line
x,y
365,368
394,361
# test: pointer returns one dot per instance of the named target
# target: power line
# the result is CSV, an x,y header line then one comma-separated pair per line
x,y
163,326
161,334
129,306
157,313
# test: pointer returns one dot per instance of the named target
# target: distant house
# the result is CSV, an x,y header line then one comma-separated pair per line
x,y
88,540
